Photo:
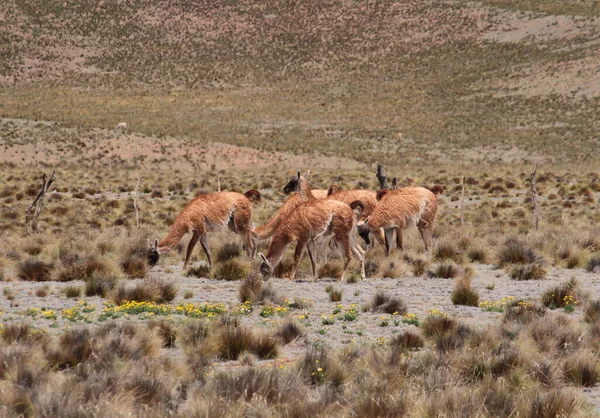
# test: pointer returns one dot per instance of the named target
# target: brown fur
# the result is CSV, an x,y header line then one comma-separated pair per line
x,y
308,221
267,230
400,208
205,213
253,195
367,197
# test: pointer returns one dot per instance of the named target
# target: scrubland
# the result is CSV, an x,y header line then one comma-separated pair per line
x,y
499,320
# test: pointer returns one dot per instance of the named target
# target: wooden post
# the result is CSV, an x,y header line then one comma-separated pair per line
x,y
534,198
381,177
462,203
218,183
135,205
38,203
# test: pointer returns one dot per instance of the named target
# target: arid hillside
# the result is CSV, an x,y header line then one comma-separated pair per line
x,y
400,82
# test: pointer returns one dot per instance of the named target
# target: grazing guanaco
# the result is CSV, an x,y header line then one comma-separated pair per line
x,y
401,208
309,221
204,214
267,230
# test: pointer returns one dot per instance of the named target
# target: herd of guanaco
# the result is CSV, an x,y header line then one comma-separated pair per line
x,y
306,216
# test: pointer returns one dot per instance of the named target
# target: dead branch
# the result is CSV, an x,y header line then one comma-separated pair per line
x,y
462,203
38,203
534,198
135,205
381,177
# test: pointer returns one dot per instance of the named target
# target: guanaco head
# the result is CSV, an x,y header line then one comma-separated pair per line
x,y
253,195
363,230
333,189
437,189
153,255
293,185
266,269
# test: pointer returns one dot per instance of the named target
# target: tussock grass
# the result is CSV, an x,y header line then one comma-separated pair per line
x,y
151,290
72,291
289,330
517,252
385,303
558,296
34,270
463,292
582,370
228,251
331,269
252,289
200,270
533,271
447,270
231,270
335,294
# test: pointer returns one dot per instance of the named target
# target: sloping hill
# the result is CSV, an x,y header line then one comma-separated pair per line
x,y
430,81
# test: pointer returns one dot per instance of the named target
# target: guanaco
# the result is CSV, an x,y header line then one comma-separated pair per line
x,y
309,221
204,214
401,208
267,230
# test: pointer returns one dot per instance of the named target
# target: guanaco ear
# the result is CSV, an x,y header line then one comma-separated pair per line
x,y
299,175
155,245
307,174
264,259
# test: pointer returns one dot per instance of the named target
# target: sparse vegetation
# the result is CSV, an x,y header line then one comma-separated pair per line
x,y
187,98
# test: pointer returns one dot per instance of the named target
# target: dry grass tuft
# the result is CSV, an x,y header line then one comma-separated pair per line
x,y
560,296
34,270
166,331
289,330
331,269
72,291
252,289
447,270
150,290
99,284
200,271
384,303
228,251
448,250
463,292
532,271
592,312
135,267
594,264
517,252
552,404
43,291
231,270
582,370
335,294
391,269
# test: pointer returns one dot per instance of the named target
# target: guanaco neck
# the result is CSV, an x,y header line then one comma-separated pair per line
x,y
169,242
304,190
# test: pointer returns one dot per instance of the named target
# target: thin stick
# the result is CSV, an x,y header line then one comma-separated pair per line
x,y
534,198
135,205
38,203
462,203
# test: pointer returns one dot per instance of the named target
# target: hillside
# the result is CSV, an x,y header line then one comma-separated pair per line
x,y
399,82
